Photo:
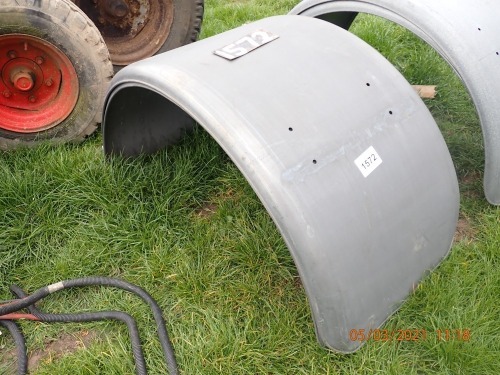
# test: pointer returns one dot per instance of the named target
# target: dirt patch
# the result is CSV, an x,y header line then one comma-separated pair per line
x,y
471,185
206,210
464,232
471,178
209,208
7,361
297,282
63,345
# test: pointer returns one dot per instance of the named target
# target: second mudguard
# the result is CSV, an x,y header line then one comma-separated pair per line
x,y
465,33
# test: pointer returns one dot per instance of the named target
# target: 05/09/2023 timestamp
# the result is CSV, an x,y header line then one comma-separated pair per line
x,y
408,334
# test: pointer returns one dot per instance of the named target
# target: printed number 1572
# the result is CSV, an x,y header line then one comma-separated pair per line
x,y
368,161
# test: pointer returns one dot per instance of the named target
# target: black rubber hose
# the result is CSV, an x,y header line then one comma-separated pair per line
x,y
22,356
140,363
166,345
20,293
24,302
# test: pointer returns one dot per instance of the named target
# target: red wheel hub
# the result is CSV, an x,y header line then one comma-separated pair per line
x,y
38,84
23,81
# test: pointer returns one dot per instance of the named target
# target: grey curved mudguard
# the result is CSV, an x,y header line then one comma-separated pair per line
x,y
465,33
342,152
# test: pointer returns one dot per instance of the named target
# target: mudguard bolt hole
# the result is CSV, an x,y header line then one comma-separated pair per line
x,y
39,60
290,129
32,99
7,94
12,54
49,82
390,112
367,84
315,161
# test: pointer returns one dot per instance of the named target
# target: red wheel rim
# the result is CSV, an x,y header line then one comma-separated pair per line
x,y
38,85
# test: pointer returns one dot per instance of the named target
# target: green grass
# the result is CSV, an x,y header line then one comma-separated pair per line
x,y
185,225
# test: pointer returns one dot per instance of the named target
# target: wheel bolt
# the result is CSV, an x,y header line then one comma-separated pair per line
x,y
12,54
7,94
32,99
49,82
39,60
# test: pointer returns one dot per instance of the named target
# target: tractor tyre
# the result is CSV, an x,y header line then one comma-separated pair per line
x,y
55,70
137,29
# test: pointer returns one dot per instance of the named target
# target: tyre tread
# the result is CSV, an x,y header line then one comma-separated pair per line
x,y
73,19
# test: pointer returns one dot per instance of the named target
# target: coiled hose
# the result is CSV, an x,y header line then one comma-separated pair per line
x,y
8,313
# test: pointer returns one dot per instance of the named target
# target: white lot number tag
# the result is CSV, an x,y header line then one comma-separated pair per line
x,y
246,44
368,161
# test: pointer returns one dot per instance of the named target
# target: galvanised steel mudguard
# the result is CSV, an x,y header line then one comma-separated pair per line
x,y
342,152
465,33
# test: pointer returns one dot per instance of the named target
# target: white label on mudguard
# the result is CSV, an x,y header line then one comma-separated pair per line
x,y
368,161
246,44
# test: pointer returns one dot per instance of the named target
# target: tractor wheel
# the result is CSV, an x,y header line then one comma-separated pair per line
x,y
136,29
55,70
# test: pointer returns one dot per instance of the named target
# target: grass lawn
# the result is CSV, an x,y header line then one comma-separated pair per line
x,y
185,225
